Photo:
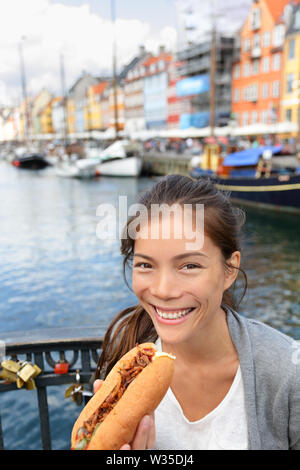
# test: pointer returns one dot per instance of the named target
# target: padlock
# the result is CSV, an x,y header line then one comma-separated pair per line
x,y
61,367
26,372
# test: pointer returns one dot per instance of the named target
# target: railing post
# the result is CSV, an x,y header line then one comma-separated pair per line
x,y
43,407
1,436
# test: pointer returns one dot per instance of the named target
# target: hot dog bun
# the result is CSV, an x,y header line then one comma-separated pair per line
x,y
141,397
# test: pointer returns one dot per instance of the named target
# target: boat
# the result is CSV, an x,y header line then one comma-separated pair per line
x,y
82,168
254,177
31,161
120,159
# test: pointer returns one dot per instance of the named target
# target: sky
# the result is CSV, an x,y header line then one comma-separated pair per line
x,y
82,31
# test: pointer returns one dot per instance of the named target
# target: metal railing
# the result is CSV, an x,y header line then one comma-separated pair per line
x,y
84,354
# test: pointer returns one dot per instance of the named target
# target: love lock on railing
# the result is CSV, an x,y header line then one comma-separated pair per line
x,y
21,372
76,391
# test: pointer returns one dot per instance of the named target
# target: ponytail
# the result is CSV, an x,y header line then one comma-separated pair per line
x,y
133,325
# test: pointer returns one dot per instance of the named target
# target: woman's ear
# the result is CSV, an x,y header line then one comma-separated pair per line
x,y
231,272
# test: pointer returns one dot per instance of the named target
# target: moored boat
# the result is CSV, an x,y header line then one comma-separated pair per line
x,y
31,161
120,159
252,177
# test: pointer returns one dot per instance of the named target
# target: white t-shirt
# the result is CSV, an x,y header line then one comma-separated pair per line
x,y
224,428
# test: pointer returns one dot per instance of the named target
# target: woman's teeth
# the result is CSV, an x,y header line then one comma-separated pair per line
x,y
173,315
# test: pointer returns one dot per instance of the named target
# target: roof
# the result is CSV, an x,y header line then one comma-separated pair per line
x,y
152,60
276,7
99,88
248,157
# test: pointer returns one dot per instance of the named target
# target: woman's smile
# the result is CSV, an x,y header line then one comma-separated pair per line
x,y
171,316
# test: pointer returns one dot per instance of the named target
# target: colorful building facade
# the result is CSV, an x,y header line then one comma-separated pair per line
x,y
257,69
290,90
156,89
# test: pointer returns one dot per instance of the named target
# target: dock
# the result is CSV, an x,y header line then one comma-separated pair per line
x,y
161,164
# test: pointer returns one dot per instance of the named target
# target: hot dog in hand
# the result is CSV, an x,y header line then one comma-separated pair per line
x,y
134,388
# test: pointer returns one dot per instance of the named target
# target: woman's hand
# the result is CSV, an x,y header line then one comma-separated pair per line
x,y
144,437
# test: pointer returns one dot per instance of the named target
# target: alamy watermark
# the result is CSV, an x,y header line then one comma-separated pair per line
x,y
176,221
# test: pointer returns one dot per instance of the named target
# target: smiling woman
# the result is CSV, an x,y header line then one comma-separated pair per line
x,y
234,378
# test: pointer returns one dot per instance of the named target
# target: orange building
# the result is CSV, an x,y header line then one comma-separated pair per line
x,y
257,69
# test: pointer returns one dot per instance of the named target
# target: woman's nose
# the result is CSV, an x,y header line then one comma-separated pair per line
x,y
164,286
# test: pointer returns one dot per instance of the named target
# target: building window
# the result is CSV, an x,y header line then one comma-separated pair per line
x,y
256,40
276,89
237,71
245,119
265,90
236,95
288,115
255,67
291,46
266,64
267,39
255,19
276,61
289,82
297,20
246,69
161,64
264,117
254,117
278,35
247,44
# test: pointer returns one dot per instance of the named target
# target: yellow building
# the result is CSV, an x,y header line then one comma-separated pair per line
x,y
92,110
45,117
71,116
290,88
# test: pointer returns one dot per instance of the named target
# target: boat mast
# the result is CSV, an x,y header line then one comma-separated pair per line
x,y
212,106
63,88
213,83
115,82
24,91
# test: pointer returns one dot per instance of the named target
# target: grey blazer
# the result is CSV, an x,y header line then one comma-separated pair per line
x,y
270,366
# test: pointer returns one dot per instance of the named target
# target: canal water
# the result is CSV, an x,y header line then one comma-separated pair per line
x,y
56,273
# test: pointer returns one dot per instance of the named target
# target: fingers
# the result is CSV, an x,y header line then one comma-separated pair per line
x,y
151,437
145,434
97,385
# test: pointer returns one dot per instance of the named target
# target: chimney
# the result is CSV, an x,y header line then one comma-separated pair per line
x,y
162,49
142,50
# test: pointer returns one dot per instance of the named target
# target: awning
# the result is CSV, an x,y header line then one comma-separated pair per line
x,y
248,157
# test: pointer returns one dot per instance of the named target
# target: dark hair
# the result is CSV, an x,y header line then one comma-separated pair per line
x,y
223,223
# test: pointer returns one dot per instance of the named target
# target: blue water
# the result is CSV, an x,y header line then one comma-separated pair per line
x,y
55,272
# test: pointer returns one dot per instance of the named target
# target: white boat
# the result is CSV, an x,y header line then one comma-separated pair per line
x,y
120,166
83,168
120,159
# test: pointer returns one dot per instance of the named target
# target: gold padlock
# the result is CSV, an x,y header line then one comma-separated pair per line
x,y
26,372
7,375
11,366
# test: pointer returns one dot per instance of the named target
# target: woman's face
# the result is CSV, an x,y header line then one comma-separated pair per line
x,y
181,290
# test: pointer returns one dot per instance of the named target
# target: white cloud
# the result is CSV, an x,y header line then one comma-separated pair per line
x,y
84,38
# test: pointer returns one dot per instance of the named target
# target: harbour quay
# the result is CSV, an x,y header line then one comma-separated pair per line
x,y
161,164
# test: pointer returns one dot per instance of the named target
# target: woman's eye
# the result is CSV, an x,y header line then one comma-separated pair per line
x,y
143,265
190,266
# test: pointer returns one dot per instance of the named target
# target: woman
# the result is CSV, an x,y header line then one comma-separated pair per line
x,y
235,384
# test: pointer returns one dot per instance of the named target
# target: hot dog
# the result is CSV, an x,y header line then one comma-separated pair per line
x,y
134,388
